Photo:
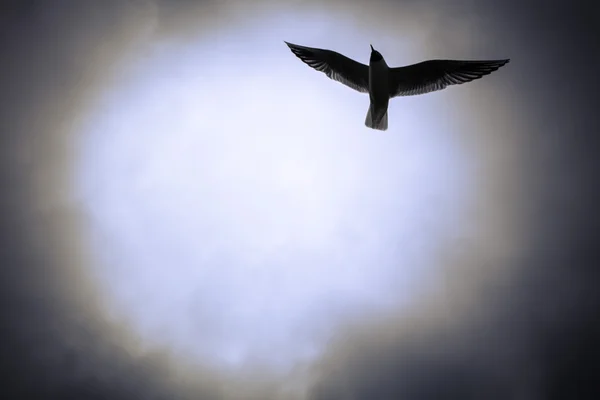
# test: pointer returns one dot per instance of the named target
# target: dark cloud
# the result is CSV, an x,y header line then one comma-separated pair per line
x,y
528,335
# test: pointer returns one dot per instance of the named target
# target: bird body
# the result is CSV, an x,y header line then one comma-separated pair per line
x,y
383,83
378,93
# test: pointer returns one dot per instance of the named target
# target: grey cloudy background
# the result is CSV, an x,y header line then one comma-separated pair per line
x,y
527,334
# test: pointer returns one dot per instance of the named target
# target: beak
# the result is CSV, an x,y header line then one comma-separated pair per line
x,y
372,49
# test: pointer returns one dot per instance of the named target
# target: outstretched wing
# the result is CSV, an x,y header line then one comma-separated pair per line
x,y
336,66
429,76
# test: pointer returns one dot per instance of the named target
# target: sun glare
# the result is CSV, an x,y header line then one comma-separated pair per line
x,y
239,216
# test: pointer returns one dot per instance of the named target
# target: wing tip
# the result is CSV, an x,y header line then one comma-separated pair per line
x,y
291,45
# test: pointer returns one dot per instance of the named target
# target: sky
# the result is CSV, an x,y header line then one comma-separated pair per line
x,y
191,212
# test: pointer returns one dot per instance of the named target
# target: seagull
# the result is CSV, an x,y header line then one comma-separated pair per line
x,y
384,83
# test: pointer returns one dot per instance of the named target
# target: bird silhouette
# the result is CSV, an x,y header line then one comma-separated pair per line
x,y
384,83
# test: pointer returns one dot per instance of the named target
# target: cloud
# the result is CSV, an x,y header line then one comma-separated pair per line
x,y
484,332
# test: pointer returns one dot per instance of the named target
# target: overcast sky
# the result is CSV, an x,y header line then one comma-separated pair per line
x,y
190,212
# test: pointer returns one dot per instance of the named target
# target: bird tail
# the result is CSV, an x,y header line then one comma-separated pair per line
x,y
379,121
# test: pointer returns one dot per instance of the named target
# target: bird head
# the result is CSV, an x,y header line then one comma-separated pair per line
x,y
375,55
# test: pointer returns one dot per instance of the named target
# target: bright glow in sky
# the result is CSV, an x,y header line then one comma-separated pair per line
x,y
238,207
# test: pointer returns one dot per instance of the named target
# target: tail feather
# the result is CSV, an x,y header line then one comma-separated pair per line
x,y
380,123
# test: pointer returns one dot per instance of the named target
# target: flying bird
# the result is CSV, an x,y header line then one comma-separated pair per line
x,y
384,83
